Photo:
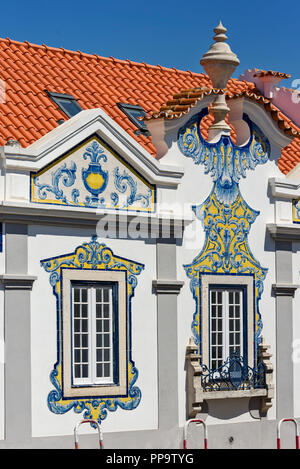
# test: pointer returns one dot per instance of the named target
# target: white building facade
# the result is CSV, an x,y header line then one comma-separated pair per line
x,y
142,292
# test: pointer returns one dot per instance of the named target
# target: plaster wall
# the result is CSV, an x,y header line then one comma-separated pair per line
x,y
194,188
2,355
295,349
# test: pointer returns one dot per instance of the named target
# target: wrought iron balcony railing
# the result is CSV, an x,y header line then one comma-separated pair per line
x,y
235,379
234,374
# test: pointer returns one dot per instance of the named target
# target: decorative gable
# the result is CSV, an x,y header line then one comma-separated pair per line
x,y
92,175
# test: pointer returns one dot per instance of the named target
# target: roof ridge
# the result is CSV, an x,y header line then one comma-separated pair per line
x,y
96,56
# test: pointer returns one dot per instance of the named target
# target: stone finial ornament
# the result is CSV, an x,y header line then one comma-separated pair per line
x,y
219,63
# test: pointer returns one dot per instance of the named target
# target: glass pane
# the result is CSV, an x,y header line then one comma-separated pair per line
x,y
84,310
76,294
105,294
69,106
85,356
76,310
99,325
106,340
84,295
106,369
99,310
99,370
84,340
84,371
77,371
106,310
99,355
99,295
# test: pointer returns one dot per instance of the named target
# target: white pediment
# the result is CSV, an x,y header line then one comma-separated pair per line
x,y
89,162
93,175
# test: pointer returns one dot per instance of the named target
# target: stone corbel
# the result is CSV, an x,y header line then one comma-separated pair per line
x,y
17,282
196,395
167,286
264,356
284,289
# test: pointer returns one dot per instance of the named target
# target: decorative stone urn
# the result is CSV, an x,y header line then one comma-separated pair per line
x,y
219,63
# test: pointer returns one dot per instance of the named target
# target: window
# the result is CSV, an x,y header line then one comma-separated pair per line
x,y
94,333
93,323
133,111
226,324
66,103
227,318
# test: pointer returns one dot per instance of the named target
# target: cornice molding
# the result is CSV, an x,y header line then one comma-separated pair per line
x,y
284,188
167,286
284,289
71,133
284,232
17,281
77,217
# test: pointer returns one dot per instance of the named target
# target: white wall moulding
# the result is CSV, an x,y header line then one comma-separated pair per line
x,y
284,232
167,286
284,289
88,218
71,133
17,282
284,188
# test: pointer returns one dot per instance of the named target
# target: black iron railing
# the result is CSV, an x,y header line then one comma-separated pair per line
x,y
234,374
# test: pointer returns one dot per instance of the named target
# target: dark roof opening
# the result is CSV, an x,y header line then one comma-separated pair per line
x,y
66,103
133,111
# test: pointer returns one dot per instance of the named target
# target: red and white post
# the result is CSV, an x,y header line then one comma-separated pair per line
x,y
278,432
88,421
185,430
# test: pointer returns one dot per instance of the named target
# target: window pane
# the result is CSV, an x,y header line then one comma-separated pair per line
x,y
99,295
83,295
106,294
84,310
76,294
225,324
92,330
99,310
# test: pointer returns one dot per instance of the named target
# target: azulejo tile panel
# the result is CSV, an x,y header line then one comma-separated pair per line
x,y
296,211
93,175
225,215
88,257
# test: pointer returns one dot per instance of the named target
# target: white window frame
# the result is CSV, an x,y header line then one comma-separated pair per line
x,y
220,315
85,388
91,334
214,281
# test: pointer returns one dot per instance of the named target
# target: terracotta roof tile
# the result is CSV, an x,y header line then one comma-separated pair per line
x,y
264,73
96,81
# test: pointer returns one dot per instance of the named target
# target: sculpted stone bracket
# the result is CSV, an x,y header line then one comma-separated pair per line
x,y
167,286
196,395
17,282
284,289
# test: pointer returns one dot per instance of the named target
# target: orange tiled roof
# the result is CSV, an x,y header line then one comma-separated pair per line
x,y
271,73
28,70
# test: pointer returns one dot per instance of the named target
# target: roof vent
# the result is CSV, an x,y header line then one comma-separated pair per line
x,y
66,103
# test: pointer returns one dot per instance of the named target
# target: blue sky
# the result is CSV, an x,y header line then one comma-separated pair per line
x,y
172,33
